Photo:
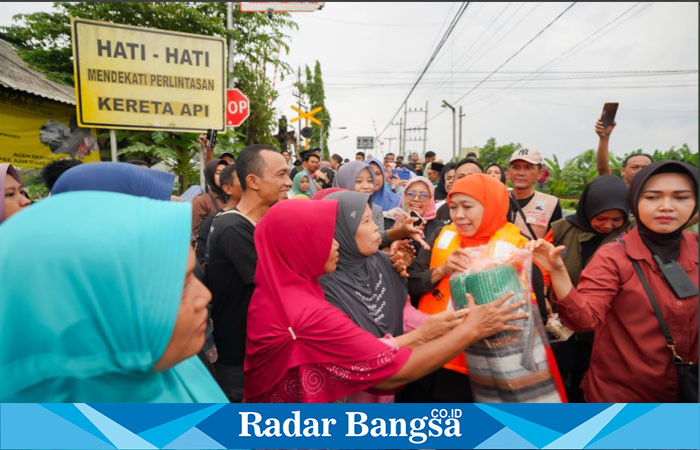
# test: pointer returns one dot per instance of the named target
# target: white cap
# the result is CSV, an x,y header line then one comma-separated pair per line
x,y
530,155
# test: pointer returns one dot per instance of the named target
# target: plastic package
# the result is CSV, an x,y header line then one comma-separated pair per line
x,y
511,366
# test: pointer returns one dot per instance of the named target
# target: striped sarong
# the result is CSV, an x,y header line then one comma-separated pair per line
x,y
510,366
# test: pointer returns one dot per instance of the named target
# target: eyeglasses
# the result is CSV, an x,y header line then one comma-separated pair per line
x,y
420,195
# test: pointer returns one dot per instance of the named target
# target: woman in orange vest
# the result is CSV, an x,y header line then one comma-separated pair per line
x,y
478,207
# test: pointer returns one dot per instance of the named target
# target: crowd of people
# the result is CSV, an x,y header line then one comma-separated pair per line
x,y
328,281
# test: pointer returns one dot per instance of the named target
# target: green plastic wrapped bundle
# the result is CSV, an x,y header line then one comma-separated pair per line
x,y
486,286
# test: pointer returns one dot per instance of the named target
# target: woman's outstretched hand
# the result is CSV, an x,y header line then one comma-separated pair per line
x,y
546,255
491,318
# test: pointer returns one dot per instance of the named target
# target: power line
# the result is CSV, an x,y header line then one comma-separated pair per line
x,y
566,87
588,107
546,77
409,72
517,77
442,26
476,10
464,55
591,36
539,33
567,53
455,20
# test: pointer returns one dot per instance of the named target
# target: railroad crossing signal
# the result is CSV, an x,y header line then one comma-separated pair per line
x,y
307,116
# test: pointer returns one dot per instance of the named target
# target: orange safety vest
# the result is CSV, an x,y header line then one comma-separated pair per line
x,y
440,298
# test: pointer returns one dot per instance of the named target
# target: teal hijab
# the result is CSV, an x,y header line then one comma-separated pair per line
x,y
297,181
91,289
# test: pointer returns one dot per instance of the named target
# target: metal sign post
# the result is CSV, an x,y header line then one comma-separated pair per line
x,y
113,144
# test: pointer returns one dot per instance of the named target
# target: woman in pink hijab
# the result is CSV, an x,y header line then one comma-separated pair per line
x,y
15,195
300,348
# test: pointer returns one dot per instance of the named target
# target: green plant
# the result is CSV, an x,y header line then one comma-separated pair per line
x,y
491,153
569,203
32,181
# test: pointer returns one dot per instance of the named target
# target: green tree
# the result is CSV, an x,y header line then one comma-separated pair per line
x,y
682,154
317,97
176,150
44,42
491,153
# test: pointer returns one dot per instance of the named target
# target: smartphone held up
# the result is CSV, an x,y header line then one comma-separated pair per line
x,y
608,115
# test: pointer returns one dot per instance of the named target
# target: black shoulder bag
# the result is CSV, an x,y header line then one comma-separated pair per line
x,y
687,372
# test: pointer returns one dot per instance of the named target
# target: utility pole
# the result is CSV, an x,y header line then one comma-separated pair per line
x,y
425,128
229,25
401,137
323,151
460,129
297,94
299,104
390,139
454,128
405,119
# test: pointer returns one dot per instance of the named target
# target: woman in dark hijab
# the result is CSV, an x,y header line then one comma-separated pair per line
x,y
212,201
444,184
601,217
366,287
631,361
359,177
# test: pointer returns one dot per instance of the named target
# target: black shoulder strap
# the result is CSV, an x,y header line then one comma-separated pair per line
x,y
670,343
213,201
514,202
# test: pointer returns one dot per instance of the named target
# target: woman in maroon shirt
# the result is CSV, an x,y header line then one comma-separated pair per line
x,y
630,361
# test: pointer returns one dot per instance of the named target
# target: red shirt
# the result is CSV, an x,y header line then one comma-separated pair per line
x,y
630,360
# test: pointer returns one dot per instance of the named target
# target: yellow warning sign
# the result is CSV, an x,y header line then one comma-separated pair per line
x,y
146,79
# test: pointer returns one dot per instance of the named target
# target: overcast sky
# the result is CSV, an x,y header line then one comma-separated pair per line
x,y
372,53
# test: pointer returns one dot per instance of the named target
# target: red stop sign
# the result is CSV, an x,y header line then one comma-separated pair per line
x,y
237,107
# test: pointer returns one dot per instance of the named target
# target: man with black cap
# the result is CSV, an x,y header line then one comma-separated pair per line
x,y
533,212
